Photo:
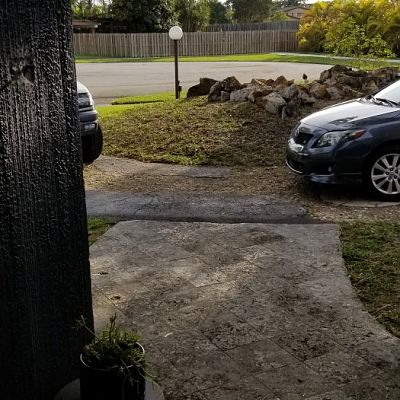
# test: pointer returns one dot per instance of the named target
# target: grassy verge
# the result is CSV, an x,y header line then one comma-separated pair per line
x,y
97,227
370,251
148,98
310,59
269,57
195,132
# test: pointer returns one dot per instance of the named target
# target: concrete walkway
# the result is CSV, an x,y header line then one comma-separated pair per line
x,y
244,311
193,207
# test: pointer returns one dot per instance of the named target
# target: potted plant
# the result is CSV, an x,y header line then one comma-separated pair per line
x,y
112,365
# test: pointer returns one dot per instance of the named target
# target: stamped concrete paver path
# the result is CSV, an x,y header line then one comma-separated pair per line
x,y
244,311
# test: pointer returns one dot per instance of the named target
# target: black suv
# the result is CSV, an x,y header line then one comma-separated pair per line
x,y
92,136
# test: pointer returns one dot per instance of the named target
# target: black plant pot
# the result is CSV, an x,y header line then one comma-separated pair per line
x,y
111,384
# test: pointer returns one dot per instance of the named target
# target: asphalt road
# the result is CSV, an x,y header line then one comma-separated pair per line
x,y
109,80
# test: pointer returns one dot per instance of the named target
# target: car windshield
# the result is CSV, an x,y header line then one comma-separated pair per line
x,y
391,93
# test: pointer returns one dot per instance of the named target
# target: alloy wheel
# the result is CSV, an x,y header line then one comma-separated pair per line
x,y
385,174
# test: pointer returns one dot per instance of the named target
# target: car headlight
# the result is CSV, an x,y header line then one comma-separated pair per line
x,y
85,100
329,139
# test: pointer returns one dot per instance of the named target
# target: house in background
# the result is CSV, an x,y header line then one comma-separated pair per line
x,y
84,26
295,12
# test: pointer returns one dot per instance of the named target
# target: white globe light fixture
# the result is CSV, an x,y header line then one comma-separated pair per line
x,y
176,33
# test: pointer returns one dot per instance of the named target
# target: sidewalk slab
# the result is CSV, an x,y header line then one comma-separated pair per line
x,y
244,311
169,206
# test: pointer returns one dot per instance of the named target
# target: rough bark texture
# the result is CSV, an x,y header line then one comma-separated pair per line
x,y
44,260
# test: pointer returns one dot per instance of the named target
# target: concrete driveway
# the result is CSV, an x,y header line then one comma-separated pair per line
x,y
109,80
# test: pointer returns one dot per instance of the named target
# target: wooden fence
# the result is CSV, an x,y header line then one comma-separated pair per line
x,y
138,45
291,25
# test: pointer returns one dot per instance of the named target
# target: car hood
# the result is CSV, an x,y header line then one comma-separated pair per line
x,y
350,114
81,88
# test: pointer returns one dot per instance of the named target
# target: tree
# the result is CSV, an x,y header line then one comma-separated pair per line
x,y
251,10
82,8
387,23
314,26
44,254
376,19
279,16
219,12
144,15
289,3
350,39
192,15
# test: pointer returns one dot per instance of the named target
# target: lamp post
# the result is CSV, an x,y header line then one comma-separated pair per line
x,y
176,33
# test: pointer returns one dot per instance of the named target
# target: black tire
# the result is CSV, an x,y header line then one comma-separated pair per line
x,y
92,145
382,173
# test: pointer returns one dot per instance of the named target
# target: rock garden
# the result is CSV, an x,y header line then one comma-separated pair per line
x,y
285,97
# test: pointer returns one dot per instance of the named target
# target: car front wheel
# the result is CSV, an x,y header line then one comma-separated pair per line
x,y
92,145
382,174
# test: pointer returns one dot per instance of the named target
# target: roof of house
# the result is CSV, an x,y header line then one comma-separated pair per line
x,y
84,23
305,7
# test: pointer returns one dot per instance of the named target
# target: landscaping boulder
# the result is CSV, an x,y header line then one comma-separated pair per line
x,y
266,90
284,97
389,74
260,82
306,99
242,94
215,92
254,94
350,92
340,69
331,81
202,88
291,109
325,75
335,70
281,80
274,103
289,92
371,87
318,90
347,80
269,82
357,73
334,93
225,96
229,85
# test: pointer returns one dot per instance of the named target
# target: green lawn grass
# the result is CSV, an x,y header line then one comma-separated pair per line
x,y
97,227
371,254
268,57
310,59
149,98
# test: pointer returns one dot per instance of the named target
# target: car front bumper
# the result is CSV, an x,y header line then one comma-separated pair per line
x,y
324,167
89,122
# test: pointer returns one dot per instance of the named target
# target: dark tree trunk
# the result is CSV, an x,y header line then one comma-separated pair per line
x,y
44,262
